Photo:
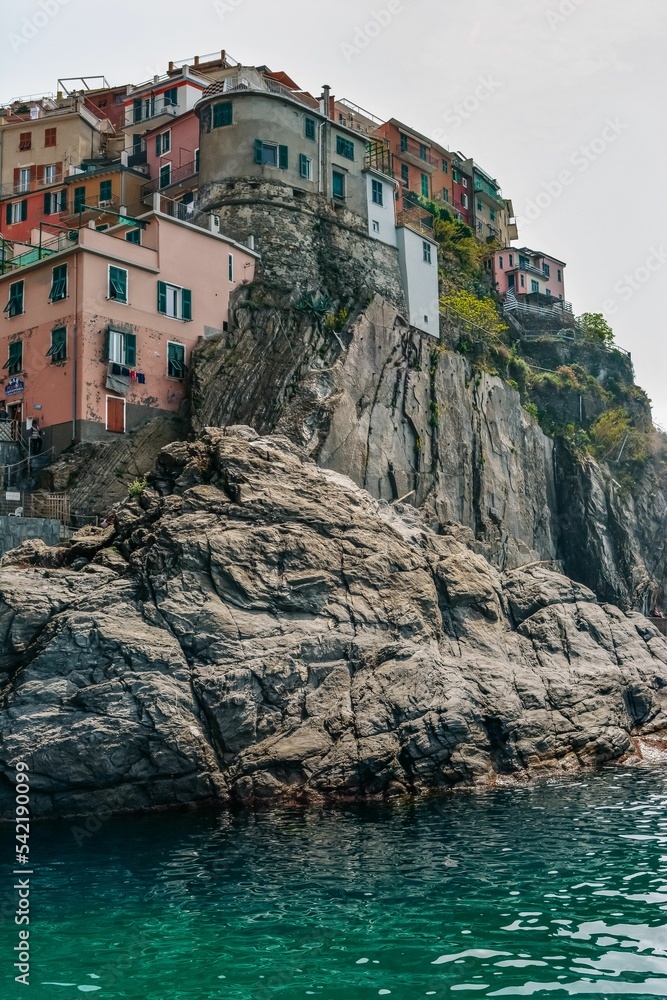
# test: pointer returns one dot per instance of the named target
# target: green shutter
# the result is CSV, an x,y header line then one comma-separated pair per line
x,y
47,204
105,352
303,164
131,349
79,198
222,114
283,157
186,304
310,128
162,297
259,149
8,214
158,145
24,210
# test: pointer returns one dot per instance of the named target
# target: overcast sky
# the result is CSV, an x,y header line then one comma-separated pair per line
x,y
563,101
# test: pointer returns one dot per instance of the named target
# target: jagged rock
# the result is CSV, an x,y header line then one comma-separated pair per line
x,y
278,633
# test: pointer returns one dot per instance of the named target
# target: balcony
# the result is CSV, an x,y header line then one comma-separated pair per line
x,y
412,152
150,112
525,265
14,255
493,194
412,214
183,175
93,208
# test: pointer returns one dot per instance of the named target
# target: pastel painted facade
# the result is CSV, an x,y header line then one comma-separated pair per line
x,y
462,189
37,155
420,165
418,259
528,273
381,198
101,192
493,214
101,332
172,156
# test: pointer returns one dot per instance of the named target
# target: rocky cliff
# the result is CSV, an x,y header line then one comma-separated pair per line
x,y
404,415
254,626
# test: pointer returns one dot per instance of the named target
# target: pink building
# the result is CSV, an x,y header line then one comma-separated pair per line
x,y
533,276
96,336
172,154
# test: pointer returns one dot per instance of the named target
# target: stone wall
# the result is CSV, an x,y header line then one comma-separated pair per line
x,y
16,530
305,241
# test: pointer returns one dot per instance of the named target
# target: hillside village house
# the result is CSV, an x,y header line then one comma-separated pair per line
x,y
421,165
172,156
528,273
37,150
493,215
96,336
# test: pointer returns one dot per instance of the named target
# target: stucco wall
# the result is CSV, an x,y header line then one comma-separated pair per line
x,y
420,279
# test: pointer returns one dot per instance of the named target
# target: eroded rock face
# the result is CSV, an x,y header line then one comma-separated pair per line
x,y
257,627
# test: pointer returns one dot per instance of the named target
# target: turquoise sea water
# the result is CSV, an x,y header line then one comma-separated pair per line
x,y
558,889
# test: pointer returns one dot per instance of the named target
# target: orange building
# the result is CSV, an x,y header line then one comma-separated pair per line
x,y
422,166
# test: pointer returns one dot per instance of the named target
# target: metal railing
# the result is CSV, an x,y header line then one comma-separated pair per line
x,y
151,107
176,176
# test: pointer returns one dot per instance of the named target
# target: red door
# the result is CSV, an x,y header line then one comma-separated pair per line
x,y
116,414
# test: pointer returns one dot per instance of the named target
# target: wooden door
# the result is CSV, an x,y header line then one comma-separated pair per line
x,y
116,414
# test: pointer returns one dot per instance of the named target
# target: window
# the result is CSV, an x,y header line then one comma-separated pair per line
x,y
25,140
338,185
163,142
500,263
523,261
118,283
464,181
14,362
269,154
176,361
197,160
511,260
23,184
426,250
55,201
523,281
310,128
15,305
58,349
560,276
479,205
50,137
174,301
456,175
165,175
59,283
425,191
120,348
534,286
50,174
305,167
171,97
548,292
105,191
345,147
376,226
405,174
464,200
546,270
222,114
445,166
16,212
230,266
445,194
79,199
423,152
492,213
133,236
377,192
404,143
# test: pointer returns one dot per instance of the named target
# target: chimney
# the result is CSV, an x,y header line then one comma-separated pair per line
x,y
171,67
196,61
325,101
156,78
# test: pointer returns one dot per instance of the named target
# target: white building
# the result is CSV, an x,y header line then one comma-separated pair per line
x,y
418,260
381,197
